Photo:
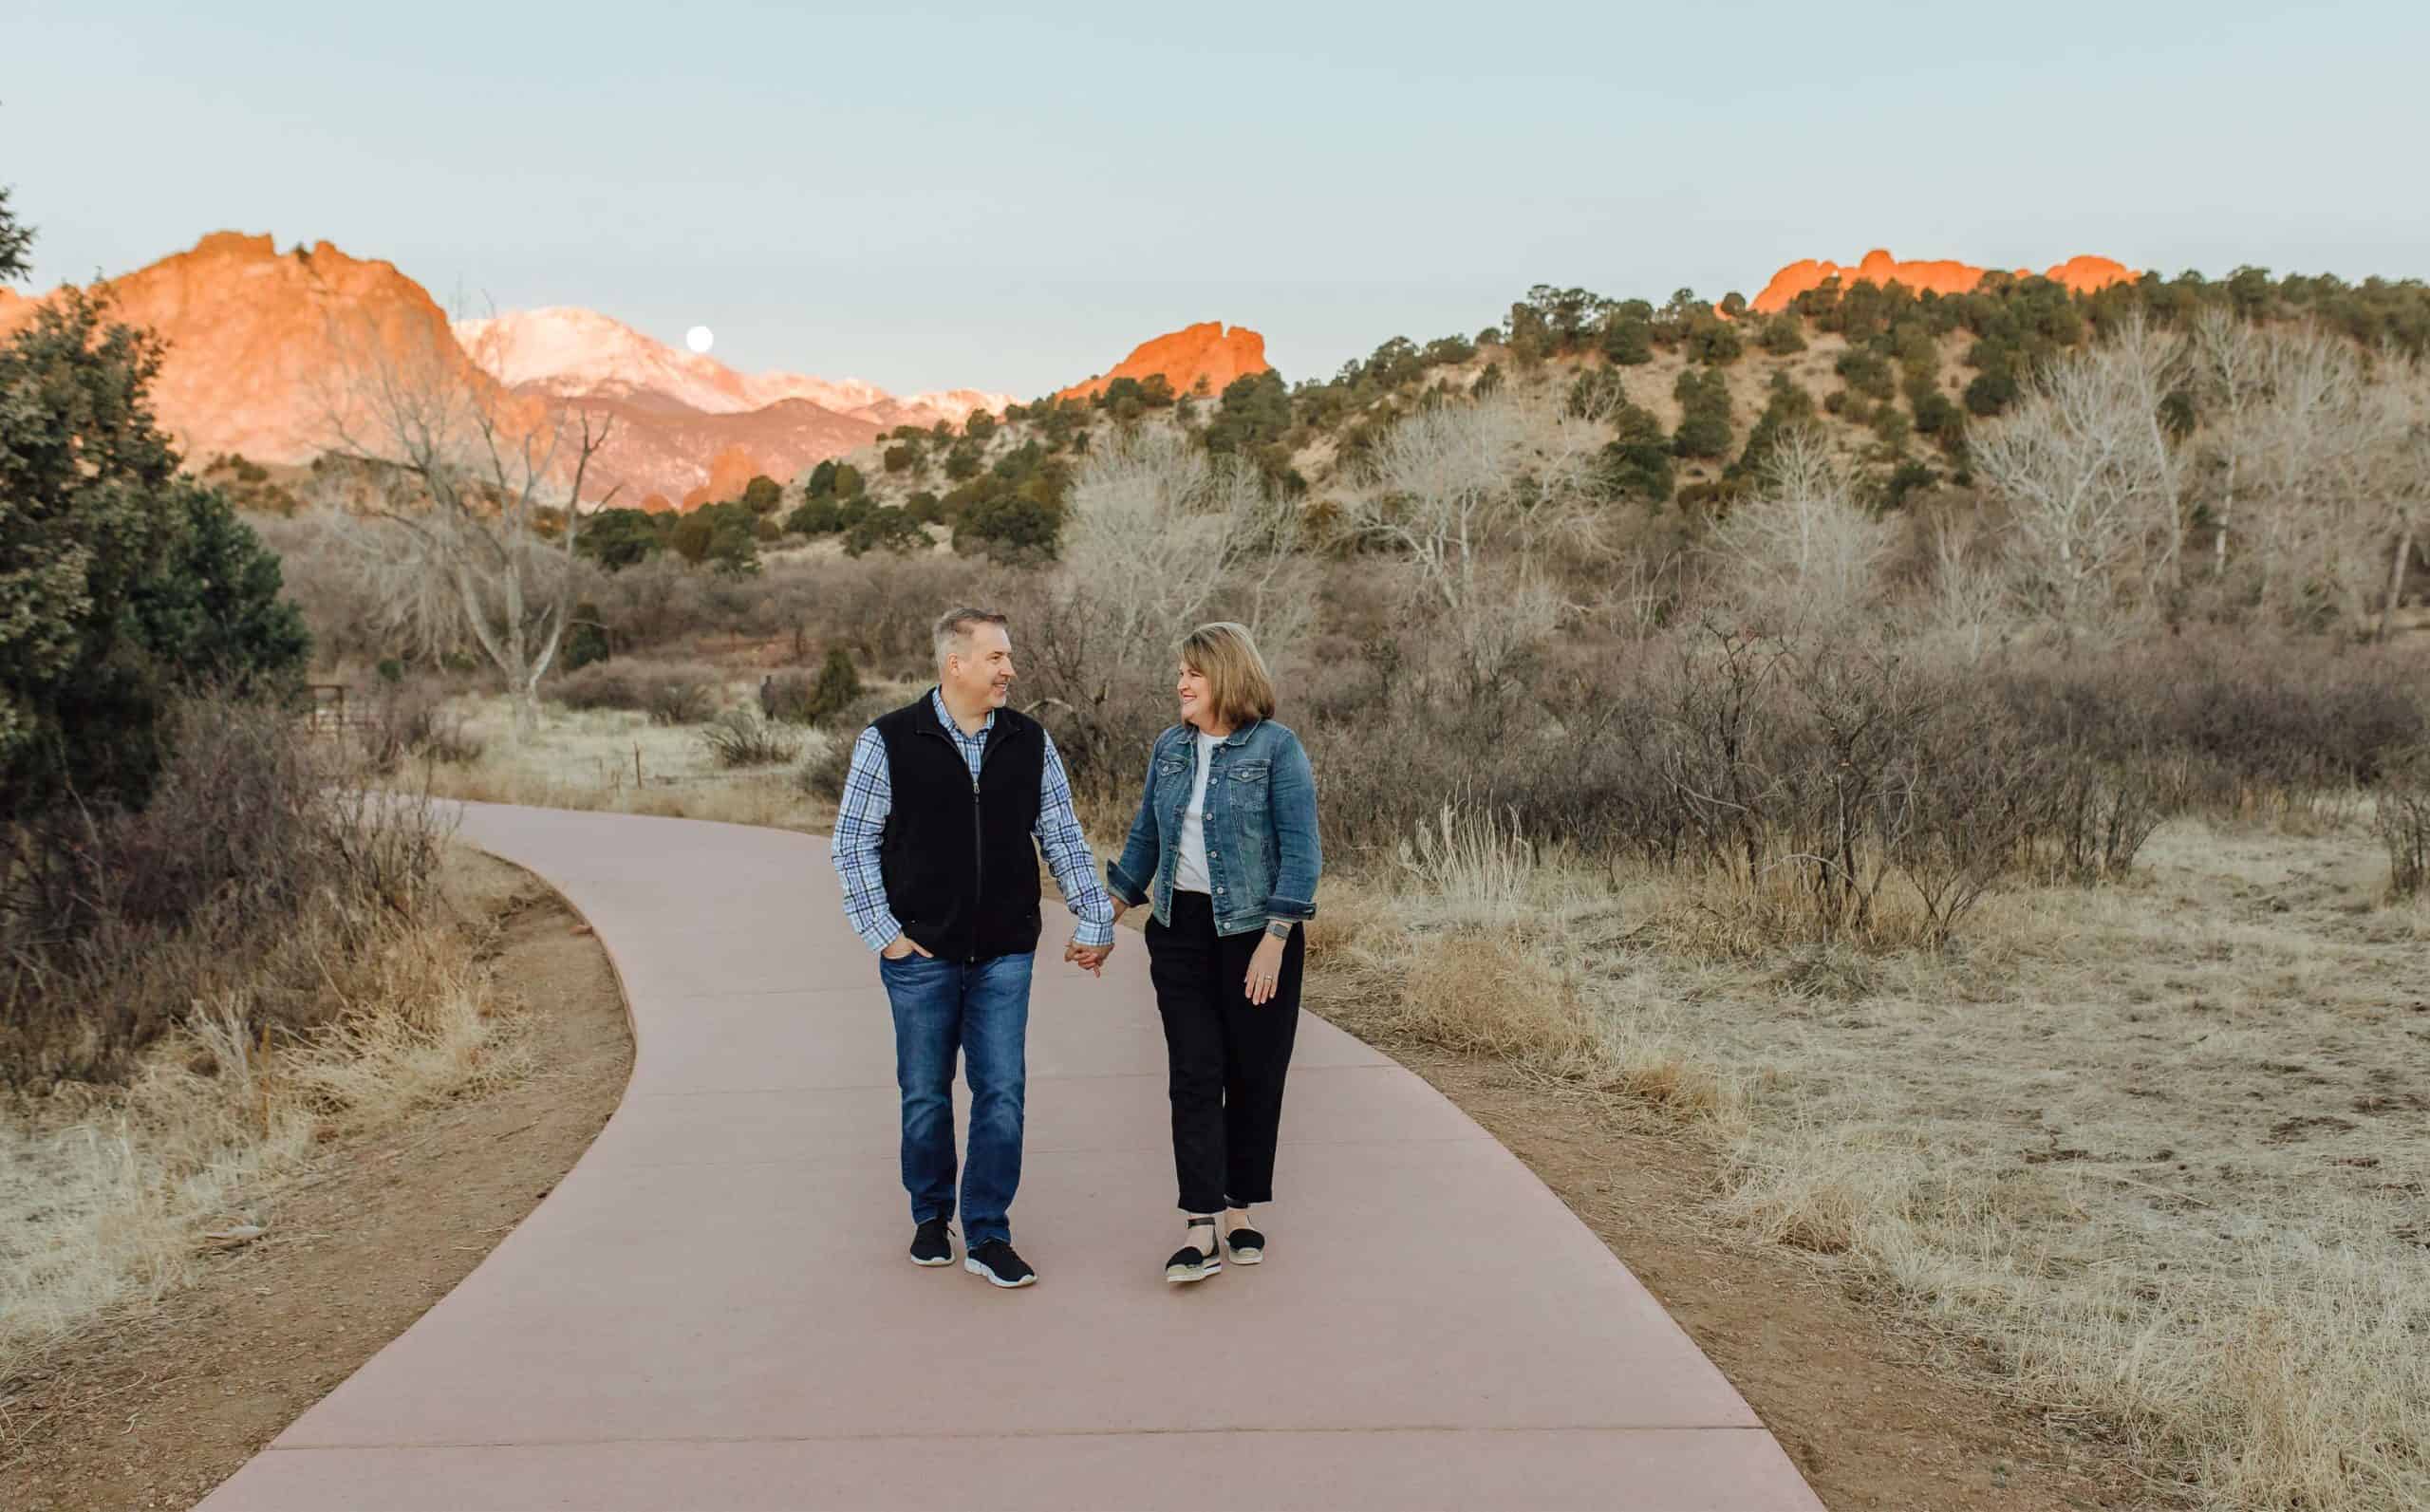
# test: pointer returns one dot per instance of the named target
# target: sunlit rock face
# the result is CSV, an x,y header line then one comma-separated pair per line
x,y
1206,350
265,351
2081,274
259,341
729,472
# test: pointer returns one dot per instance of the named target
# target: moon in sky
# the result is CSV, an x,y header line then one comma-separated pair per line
x,y
700,337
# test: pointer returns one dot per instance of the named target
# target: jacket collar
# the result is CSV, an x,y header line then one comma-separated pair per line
x,y
1238,737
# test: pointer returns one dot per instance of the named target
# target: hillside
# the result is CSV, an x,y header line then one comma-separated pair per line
x,y
1691,401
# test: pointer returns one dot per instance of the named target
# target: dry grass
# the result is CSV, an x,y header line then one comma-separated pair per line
x,y
2155,1155
109,1194
620,761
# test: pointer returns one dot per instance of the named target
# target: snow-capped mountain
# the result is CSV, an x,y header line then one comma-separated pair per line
x,y
572,351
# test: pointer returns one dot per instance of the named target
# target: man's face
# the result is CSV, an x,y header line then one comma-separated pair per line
x,y
982,676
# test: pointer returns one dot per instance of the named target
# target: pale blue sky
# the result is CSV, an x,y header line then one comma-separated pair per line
x,y
939,195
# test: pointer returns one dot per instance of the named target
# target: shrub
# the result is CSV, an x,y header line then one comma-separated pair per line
x,y
617,539
886,528
247,866
1990,394
838,689
822,776
2402,817
402,720
586,638
739,737
820,515
1714,341
762,494
1011,525
669,693
1827,789
1704,420
1636,463
1864,372
1628,340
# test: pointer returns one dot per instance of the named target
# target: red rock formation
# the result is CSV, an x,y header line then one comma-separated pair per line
x,y
657,504
258,341
729,472
2082,274
1203,350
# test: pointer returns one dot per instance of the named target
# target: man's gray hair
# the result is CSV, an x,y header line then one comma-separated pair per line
x,y
954,628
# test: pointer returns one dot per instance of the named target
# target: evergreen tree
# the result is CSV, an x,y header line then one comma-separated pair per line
x,y
1704,422
121,581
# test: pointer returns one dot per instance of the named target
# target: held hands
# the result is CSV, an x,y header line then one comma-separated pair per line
x,y
1265,970
1091,958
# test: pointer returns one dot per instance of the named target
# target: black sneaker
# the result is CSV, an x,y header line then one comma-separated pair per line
x,y
996,1261
932,1244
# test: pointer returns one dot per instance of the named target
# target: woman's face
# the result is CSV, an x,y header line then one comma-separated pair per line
x,y
1196,708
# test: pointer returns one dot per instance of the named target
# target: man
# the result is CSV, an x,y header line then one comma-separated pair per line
x,y
943,801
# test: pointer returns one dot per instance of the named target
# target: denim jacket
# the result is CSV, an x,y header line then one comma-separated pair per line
x,y
1261,852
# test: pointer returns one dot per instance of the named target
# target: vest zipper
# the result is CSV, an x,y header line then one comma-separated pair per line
x,y
978,840
977,861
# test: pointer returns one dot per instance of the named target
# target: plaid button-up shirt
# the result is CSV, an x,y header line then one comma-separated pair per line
x,y
868,798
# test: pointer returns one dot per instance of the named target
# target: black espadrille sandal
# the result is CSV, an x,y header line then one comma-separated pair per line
x,y
1189,1263
1246,1244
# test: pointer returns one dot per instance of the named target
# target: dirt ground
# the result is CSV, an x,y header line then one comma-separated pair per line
x,y
1852,1396
154,1410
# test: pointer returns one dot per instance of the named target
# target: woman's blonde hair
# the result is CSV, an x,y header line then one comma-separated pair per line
x,y
1237,681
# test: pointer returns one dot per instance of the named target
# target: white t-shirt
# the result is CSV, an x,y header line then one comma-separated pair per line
x,y
1190,868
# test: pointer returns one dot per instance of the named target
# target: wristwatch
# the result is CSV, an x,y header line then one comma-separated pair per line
x,y
1278,930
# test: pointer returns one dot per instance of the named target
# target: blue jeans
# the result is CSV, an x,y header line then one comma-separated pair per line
x,y
981,1009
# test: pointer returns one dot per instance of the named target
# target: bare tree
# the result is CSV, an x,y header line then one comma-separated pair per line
x,y
2147,366
2292,444
2412,496
479,487
2393,473
2229,363
1159,528
2098,486
1468,491
1969,596
1802,543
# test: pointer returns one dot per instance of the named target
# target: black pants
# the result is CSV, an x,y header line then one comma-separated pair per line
x,y
1226,1056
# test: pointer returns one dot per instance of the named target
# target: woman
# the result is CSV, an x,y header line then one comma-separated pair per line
x,y
1225,849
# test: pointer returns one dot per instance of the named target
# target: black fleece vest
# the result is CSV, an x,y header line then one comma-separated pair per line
x,y
960,863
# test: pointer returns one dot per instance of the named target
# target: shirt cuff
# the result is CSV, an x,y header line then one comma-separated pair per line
x,y
1094,936
881,931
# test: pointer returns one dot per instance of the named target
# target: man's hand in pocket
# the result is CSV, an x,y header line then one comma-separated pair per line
x,y
904,946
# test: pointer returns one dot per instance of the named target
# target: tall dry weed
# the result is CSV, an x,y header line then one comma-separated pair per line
x,y
109,1194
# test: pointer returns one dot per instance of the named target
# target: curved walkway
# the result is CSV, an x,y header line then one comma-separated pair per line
x,y
713,1310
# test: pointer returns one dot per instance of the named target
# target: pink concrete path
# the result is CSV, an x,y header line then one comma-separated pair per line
x,y
713,1310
